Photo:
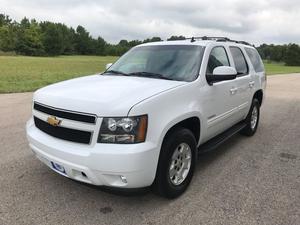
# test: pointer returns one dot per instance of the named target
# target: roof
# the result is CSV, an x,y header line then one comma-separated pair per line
x,y
201,41
179,42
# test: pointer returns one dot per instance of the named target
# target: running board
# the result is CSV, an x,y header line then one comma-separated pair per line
x,y
219,139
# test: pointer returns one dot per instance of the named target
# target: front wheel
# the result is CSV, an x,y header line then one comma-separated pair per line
x,y
176,163
252,119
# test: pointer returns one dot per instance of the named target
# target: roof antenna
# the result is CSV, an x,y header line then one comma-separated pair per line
x,y
193,39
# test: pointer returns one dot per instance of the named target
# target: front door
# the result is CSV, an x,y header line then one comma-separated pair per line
x,y
220,99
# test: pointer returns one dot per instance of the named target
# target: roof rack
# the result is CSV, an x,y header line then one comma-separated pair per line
x,y
219,39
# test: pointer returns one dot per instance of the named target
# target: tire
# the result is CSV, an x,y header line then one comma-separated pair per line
x,y
177,156
251,125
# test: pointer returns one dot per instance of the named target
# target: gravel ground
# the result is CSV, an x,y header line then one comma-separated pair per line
x,y
245,181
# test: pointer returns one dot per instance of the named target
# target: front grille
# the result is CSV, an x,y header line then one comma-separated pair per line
x,y
64,133
65,113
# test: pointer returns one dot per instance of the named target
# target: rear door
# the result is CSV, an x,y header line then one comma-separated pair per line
x,y
258,67
244,82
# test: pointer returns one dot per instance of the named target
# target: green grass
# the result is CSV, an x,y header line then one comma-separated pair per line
x,y
279,68
23,73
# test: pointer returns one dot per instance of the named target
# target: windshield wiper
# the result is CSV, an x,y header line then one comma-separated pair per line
x,y
150,75
116,72
141,74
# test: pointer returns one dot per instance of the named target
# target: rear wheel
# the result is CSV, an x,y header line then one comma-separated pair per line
x,y
252,119
176,163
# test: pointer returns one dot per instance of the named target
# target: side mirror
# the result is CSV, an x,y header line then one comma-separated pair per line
x,y
108,65
222,73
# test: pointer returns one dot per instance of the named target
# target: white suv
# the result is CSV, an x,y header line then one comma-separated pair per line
x,y
145,119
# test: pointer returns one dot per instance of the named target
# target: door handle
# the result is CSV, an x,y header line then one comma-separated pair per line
x,y
251,84
233,91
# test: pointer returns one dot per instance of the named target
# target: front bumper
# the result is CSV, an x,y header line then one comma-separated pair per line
x,y
97,164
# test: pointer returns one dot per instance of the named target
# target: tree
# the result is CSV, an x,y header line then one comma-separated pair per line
x,y
153,39
134,43
292,57
8,38
100,46
124,43
261,51
4,20
174,38
68,39
83,41
52,38
25,23
29,38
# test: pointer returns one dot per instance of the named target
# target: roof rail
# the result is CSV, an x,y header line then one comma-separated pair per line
x,y
225,39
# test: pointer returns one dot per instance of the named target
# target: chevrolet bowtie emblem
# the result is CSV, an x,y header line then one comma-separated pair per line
x,y
53,121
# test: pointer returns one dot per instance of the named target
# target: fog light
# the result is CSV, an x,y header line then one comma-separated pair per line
x,y
123,179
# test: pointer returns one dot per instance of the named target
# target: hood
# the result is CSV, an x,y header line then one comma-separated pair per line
x,y
103,95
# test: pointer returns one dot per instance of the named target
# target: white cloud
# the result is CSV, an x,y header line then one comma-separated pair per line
x,y
253,21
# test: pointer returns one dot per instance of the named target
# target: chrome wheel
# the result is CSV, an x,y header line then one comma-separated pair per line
x,y
254,116
180,164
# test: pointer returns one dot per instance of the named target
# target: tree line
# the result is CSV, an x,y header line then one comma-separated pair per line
x,y
288,53
29,37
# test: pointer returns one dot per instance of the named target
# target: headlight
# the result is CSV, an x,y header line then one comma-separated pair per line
x,y
123,130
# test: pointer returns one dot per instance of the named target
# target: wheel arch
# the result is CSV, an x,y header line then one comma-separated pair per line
x,y
193,123
259,96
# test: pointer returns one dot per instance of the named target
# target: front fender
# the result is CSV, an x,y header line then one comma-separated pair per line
x,y
167,109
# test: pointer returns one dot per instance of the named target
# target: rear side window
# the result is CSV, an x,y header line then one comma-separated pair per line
x,y
217,57
239,61
255,59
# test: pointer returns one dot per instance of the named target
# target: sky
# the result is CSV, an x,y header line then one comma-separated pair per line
x,y
255,21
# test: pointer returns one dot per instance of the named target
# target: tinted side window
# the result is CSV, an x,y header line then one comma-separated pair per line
x,y
255,59
218,57
239,60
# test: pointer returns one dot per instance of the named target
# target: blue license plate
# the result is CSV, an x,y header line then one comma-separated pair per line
x,y
58,167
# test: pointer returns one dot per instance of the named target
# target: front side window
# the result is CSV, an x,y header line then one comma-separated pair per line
x,y
255,59
218,57
173,62
239,61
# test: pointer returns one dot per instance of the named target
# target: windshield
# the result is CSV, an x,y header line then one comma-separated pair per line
x,y
172,62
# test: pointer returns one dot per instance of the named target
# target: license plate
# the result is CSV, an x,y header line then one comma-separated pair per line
x,y
58,167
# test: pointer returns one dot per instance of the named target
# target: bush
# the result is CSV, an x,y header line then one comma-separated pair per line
x,y
12,53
